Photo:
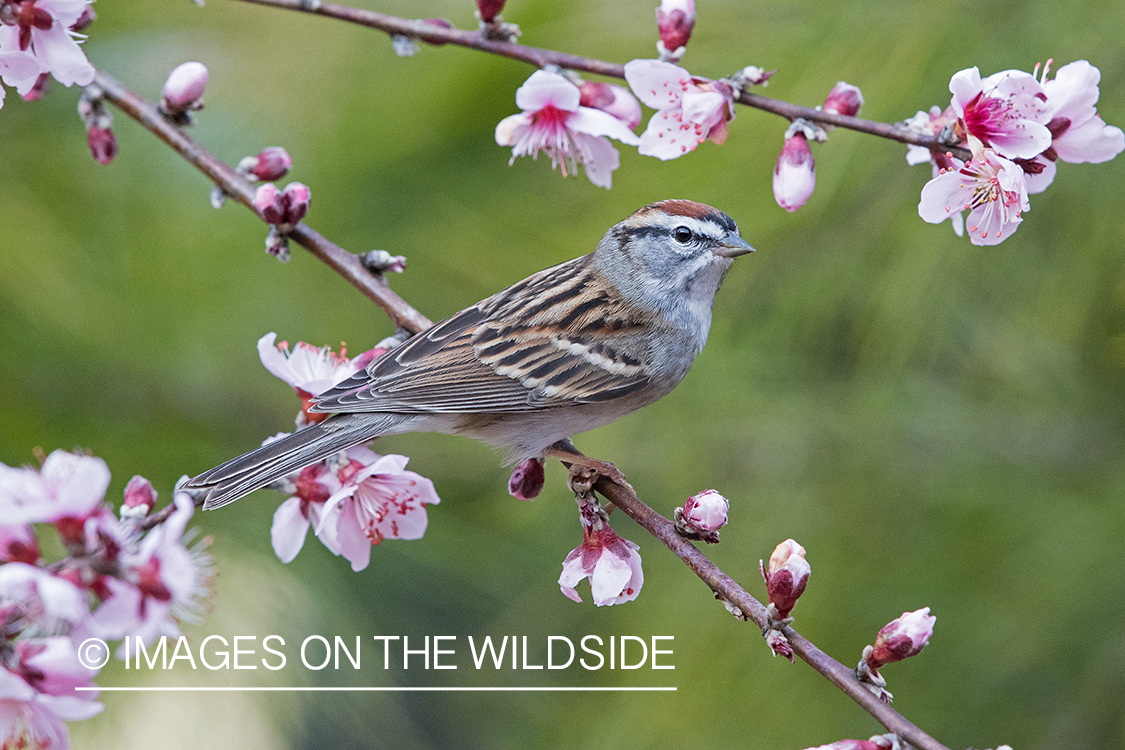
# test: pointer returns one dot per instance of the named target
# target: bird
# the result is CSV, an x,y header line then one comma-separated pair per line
x,y
568,349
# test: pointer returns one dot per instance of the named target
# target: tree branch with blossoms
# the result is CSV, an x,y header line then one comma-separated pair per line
x,y
137,571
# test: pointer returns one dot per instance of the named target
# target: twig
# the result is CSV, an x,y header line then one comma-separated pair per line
x,y
434,34
237,187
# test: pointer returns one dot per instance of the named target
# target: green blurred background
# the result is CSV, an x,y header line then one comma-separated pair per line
x,y
938,424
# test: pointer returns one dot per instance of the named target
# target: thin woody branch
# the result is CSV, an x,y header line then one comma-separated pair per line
x,y
434,34
237,187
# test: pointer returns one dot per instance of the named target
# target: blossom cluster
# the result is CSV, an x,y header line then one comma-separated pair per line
x,y
38,40
115,580
1016,127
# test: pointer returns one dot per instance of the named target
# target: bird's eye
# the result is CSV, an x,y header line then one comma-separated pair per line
x,y
683,235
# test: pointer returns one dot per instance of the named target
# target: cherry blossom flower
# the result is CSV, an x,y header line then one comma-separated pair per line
x,y
162,581
310,370
37,694
379,501
1006,112
48,601
794,175
554,121
689,110
42,27
68,487
312,486
612,564
989,187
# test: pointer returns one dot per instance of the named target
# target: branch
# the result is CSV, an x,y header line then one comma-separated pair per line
x,y
434,34
237,187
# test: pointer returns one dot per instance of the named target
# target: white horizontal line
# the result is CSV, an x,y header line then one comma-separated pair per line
x,y
196,689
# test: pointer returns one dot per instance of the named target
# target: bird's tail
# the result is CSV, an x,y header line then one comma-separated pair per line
x,y
243,474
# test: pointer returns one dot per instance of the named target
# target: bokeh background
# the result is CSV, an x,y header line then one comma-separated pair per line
x,y
938,424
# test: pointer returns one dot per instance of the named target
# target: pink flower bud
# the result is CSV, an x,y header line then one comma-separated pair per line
x,y
295,199
38,89
272,164
675,19
103,145
527,479
267,200
612,99
786,577
139,493
706,511
844,99
902,637
794,177
489,9
184,87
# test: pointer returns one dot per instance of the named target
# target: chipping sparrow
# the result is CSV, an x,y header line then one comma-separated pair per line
x,y
565,350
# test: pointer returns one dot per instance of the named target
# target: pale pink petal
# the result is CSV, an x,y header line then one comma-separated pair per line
x,y
1073,91
19,69
71,707
667,137
354,544
1037,183
596,122
603,160
609,578
289,529
703,107
964,85
545,89
62,55
511,129
659,85
943,196
66,11
1091,142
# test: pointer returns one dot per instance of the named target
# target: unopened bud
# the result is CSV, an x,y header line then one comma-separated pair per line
x,y
280,207
184,88
794,177
381,261
295,198
844,99
612,99
103,144
489,9
786,577
140,494
527,479
702,516
675,19
271,164
267,200
903,637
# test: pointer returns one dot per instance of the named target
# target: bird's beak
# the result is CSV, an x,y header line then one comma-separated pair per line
x,y
732,247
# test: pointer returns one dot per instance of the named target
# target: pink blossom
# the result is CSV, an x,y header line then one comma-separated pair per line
x,y
380,501
612,564
18,543
989,187
794,175
310,370
312,486
184,87
37,694
1006,112
526,481
554,121
675,20
903,637
1080,134
67,486
19,69
161,581
786,577
689,110
42,27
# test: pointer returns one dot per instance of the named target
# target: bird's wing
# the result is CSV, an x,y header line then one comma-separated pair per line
x,y
540,344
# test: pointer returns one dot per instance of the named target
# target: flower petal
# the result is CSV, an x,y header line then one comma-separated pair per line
x,y
596,122
658,84
544,89
289,529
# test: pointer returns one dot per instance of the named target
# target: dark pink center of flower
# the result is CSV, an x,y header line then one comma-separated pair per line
x,y
27,17
985,117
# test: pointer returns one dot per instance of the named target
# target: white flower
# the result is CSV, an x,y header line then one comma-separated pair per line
x,y
989,187
689,110
612,564
1005,112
